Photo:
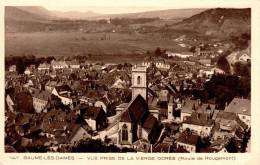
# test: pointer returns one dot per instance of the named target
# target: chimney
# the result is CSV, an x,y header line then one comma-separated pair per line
x,y
199,101
183,102
226,104
193,106
198,116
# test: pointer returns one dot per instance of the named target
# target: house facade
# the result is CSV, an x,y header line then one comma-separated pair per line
x,y
242,108
59,65
44,67
96,118
40,100
188,141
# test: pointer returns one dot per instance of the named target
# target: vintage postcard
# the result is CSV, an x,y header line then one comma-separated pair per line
x,y
130,81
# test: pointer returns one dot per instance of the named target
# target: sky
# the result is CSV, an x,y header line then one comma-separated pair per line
x,y
124,6
106,9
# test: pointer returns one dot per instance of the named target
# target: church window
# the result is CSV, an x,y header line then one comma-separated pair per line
x,y
138,80
124,133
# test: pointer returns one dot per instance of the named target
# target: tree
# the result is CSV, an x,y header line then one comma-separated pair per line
x,y
158,51
223,64
242,69
92,145
20,66
193,49
232,146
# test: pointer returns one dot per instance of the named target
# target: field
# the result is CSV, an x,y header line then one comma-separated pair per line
x,y
112,47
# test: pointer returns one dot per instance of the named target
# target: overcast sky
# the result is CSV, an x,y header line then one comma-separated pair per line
x,y
106,9
123,6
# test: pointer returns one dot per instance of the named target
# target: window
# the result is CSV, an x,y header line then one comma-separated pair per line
x,y
124,133
138,80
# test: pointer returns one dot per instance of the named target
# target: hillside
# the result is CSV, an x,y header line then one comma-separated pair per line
x,y
43,13
218,22
36,18
25,19
163,14
34,30
22,15
38,10
75,14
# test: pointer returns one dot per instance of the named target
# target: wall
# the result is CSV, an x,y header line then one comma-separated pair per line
x,y
188,147
200,130
183,115
39,105
91,123
130,135
80,134
246,119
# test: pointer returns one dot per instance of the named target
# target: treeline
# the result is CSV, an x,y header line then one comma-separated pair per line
x,y
127,21
241,42
223,63
223,88
93,146
240,69
22,62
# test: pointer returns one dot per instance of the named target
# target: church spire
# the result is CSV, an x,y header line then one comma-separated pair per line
x,y
139,81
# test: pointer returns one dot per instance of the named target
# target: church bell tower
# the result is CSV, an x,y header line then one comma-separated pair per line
x,y
139,82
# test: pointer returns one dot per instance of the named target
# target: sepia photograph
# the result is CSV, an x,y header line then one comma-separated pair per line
x,y
130,79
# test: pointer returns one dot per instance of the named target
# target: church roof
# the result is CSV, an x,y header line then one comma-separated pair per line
x,y
125,117
137,108
149,122
136,111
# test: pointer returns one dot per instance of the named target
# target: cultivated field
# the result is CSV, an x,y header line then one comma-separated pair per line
x,y
102,46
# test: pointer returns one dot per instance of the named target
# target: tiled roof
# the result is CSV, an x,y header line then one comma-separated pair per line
x,y
51,83
24,102
162,147
149,122
44,65
123,105
58,63
63,88
125,117
137,108
188,106
93,112
23,118
43,95
72,62
239,106
226,115
199,119
188,138
74,130
246,51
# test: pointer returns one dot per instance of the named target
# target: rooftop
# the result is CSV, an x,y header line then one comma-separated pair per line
x,y
188,138
42,95
199,119
239,106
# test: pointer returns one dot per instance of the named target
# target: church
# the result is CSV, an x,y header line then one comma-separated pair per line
x,y
135,120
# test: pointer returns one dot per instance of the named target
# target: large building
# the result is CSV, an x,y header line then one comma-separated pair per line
x,y
242,108
139,83
41,100
135,120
